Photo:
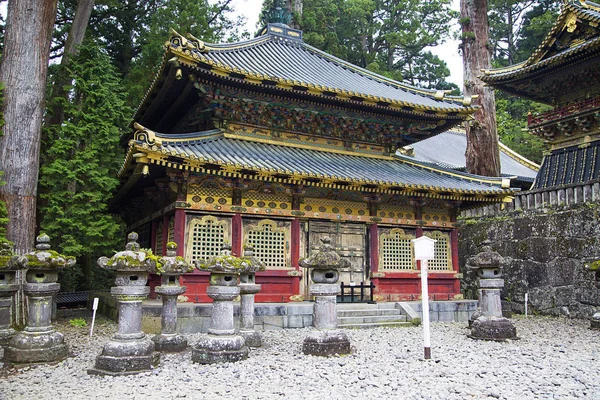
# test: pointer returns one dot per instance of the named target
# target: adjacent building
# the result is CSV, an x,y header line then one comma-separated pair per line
x,y
563,72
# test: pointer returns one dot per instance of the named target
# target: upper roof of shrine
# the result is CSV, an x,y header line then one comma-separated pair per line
x,y
280,63
548,74
222,152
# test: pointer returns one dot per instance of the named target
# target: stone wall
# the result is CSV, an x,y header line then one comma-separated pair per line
x,y
547,250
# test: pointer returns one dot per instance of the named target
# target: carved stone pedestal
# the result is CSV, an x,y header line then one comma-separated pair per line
x,y
324,265
172,268
490,324
222,344
39,342
9,266
129,351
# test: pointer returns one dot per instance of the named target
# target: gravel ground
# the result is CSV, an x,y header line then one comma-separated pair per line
x,y
555,358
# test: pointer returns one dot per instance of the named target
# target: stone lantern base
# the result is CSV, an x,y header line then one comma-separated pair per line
x,y
252,338
326,343
125,357
170,343
213,349
595,323
493,328
36,347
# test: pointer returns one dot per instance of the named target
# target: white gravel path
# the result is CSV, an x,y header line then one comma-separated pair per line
x,y
555,359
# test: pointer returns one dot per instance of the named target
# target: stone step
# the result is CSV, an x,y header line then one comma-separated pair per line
x,y
368,312
372,319
376,325
366,306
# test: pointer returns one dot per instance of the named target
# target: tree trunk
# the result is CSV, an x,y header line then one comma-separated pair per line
x,y
24,69
483,154
75,38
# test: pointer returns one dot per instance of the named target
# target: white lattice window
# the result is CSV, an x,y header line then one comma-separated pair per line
x,y
396,251
442,253
269,242
171,229
206,237
158,243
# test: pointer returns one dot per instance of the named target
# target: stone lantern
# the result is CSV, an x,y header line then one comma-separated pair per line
x,y
170,268
248,288
325,265
129,351
222,344
39,342
490,324
9,265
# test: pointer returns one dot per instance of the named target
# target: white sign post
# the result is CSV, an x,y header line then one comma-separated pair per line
x,y
424,251
94,308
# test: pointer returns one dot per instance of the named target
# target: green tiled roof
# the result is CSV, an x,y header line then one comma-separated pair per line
x,y
214,150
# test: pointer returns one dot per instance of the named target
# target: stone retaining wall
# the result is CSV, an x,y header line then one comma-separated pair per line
x,y
547,251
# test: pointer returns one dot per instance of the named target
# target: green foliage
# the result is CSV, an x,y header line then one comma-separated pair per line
x,y
386,36
511,114
517,28
80,163
78,322
209,21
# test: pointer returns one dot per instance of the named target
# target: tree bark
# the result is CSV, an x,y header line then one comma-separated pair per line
x,y
483,154
74,39
23,71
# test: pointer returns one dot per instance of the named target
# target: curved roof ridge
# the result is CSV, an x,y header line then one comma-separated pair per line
x,y
374,75
578,8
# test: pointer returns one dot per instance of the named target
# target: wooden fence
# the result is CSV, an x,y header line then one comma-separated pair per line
x,y
541,198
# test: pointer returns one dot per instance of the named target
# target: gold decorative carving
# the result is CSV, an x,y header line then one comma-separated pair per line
x,y
145,135
571,23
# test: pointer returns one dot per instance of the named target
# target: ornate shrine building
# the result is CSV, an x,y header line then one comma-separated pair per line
x,y
564,72
275,144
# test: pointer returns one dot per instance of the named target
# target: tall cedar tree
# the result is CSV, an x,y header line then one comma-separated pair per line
x,y
81,162
24,71
210,21
3,212
483,152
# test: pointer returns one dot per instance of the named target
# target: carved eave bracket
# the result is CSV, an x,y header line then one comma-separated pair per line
x,y
146,136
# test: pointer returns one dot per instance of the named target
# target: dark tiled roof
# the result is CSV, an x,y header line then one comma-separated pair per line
x,y
277,61
215,148
447,150
544,56
569,166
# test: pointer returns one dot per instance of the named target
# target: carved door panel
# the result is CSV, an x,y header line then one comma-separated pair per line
x,y
349,241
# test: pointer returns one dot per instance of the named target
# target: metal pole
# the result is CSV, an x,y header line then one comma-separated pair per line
x,y
526,300
425,304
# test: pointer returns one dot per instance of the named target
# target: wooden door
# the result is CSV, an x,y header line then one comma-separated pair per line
x,y
349,241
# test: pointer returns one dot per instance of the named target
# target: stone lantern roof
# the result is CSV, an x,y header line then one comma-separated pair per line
x,y
486,258
325,258
44,258
131,259
254,263
171,264
225,262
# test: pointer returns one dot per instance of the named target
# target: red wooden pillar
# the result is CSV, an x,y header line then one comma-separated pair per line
x,y
454,250
153,237
236,235
295,254
165,236
179,231
419,230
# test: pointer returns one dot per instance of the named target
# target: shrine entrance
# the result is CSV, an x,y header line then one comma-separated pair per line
x,y
350,242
